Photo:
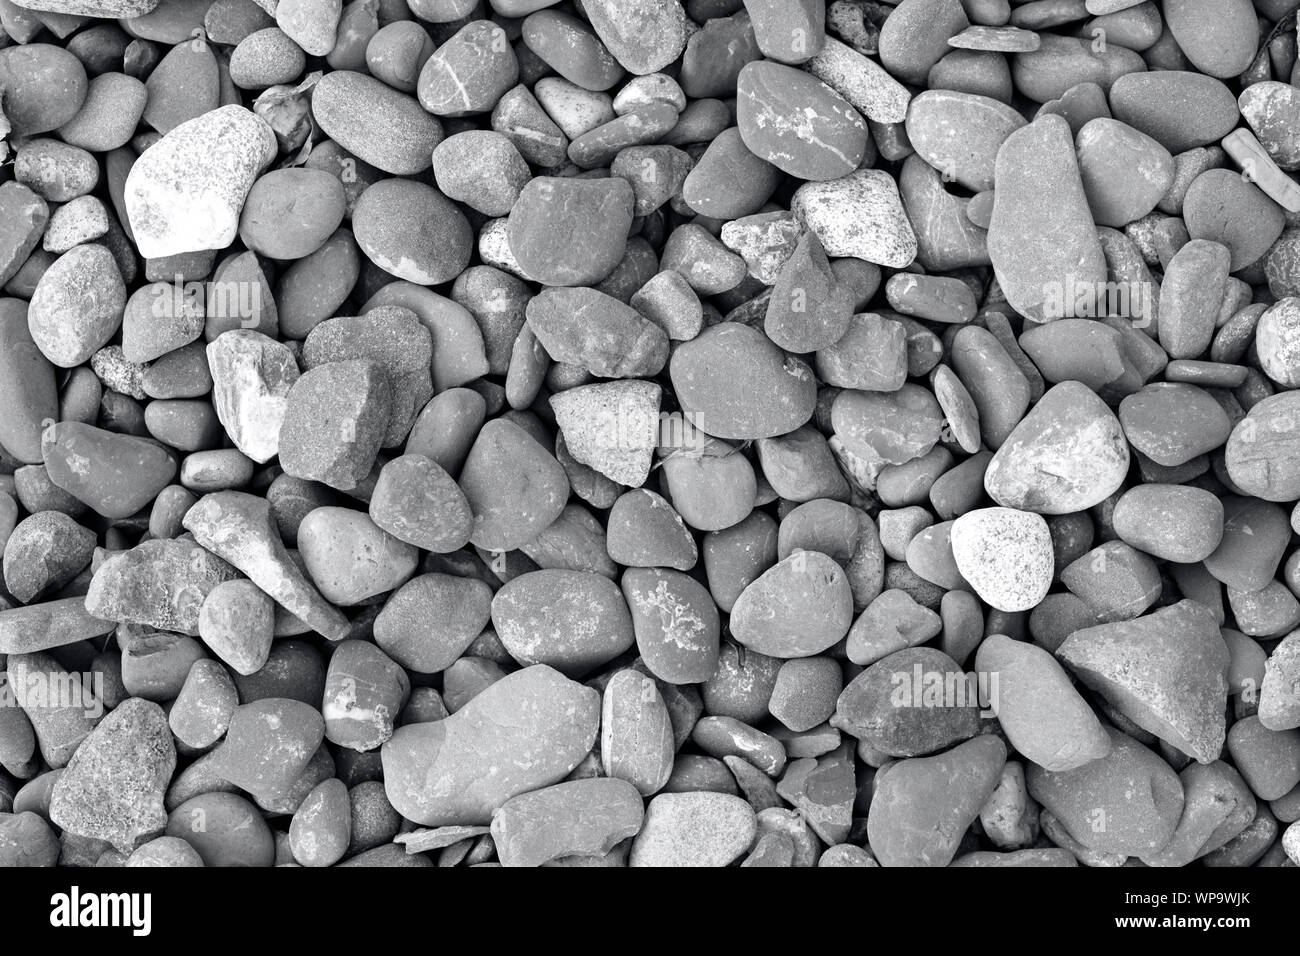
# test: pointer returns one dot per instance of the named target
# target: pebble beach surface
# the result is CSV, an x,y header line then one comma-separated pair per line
x,y
653,433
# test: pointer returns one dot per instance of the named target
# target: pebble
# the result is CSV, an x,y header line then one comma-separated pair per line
x,y
77,306
636,733
696,829
886,706
514,486
570,232
798,608
797,123
1066,455
112,788
1261,456
1137,796
252,376
1178,109
573,621
115,475
858,215
207,164
527,731
921,806
675,624
334,420
375,123
1043,716
1006,555
1132,663
349,557
577,818
1041,238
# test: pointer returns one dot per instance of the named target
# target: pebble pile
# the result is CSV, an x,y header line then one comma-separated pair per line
x,y
650,433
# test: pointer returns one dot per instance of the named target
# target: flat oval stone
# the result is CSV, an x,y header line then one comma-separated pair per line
x,y
115,474
77,305
675,623
915,34
412,231
572,49
1006,555
1043,716
960,134
45,86
886,706
1068,454
1172,422
469,72
1263,451
798,608
431,620
1174,522
1219,38
289,213
514,486
1041,238
573,621
636,732
797,123
732,382
526,731
1194,278
349,557
694,829
864,83
1222,206
376,123
1125,172
576,819
1180,110
570,232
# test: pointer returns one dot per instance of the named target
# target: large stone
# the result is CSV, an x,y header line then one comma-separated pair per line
x,y
114,784
186,192
1166,672
1042,239
527,731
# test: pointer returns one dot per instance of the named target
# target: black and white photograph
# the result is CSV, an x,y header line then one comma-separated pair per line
x,y
656,434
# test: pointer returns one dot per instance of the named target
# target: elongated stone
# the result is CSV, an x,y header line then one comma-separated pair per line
x,y
1041,237
582,818
39,627
239,527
